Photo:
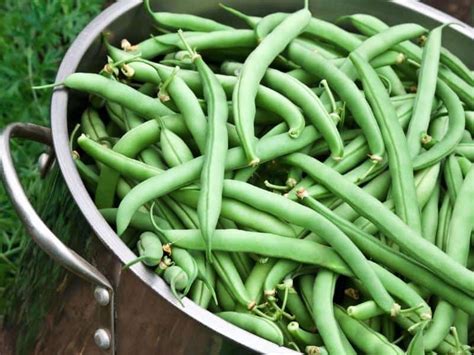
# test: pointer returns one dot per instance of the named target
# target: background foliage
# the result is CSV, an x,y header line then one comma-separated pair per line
x,y
34,36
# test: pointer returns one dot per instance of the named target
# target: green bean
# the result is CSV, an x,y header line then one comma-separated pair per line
x,y
234,240
466,137
202,291
399,289
306,283
470,121
363,173
403,186
225,300
300,215
427,78
282,268
174,149
322,148
364,310
378,188
457,66
251,21
227,272
303,337
189,22
355,152
323,293
388,223
460,87
257,325
173,122
188,105
254,282
169,180
252,73
242,263
325,51
271,148
240,213
461,322
266,24
383,41
136,140
371,25
266,98
186,262
212,176
443,318
87,173
444,217
347,91
246,173
462,219
150,250
298,309
452,177
169,215
429,216
179,212
465,150
452,136
370,48
465,165
117,92
167,43
362,336
177,279
425,182
92,125
304,98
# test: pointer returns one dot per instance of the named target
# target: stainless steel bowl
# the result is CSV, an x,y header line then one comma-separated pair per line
x,y
142,316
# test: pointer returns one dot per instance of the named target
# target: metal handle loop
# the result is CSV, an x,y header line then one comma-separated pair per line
x,y
34,225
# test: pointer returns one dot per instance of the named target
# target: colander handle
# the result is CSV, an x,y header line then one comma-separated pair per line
x,y
35,227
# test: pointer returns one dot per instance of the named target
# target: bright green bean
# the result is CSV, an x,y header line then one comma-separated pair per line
x,y
305,217
252,73
347,91
403,186
304,98
323,294
388,223
363,337
257,325
453,134
427,78
189,22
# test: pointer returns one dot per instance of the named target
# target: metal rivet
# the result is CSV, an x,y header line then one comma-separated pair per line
x,y
102,338
102,296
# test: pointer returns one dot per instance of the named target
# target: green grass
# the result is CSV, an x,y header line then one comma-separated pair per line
x,y
34,35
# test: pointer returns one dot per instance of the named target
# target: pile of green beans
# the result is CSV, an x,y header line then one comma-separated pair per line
x,y
311,183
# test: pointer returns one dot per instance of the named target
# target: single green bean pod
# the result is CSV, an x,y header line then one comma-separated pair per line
x,y
150,250
189,22
177,279
303,337
174,149
254,324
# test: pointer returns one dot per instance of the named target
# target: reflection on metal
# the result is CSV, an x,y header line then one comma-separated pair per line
x,y
102,339
102,296
43,163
